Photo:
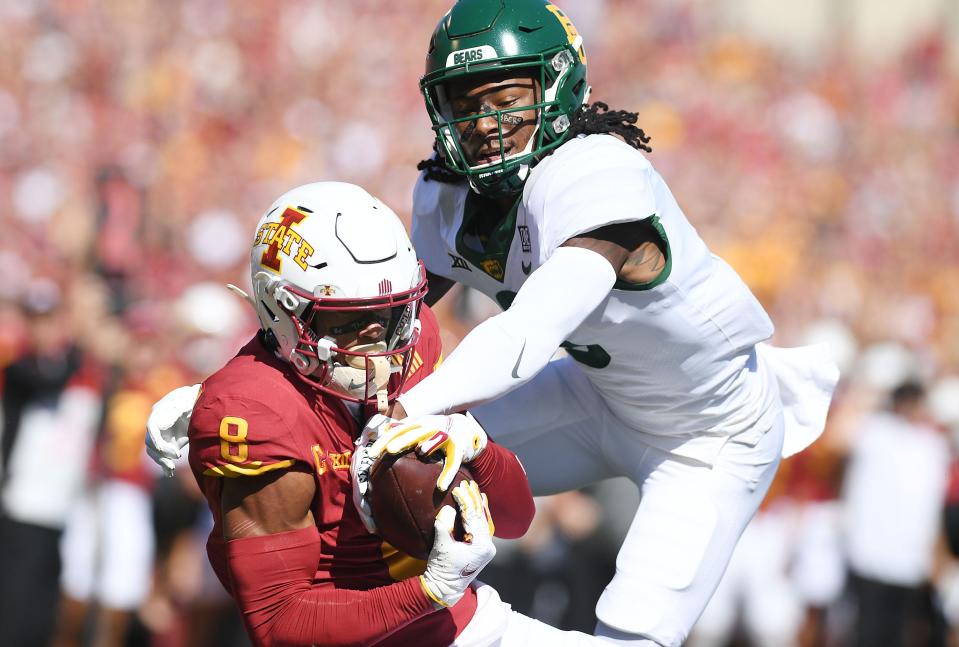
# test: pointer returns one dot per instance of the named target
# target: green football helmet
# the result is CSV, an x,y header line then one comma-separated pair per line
x,y
477,37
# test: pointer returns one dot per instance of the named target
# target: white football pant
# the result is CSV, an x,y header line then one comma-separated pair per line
x,y
690,514
495,624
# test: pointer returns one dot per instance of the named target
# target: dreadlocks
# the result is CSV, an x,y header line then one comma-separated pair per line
x,y
596,119
436,169
593,119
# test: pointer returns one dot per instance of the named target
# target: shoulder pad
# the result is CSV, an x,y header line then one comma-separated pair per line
x,y
241,436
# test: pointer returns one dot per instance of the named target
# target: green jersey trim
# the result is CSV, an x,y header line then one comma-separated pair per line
x,y
663,275
492,260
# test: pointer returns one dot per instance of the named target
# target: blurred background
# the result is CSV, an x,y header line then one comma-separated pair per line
x,y
814,145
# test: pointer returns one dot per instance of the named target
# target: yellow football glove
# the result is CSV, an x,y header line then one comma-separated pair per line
x,y
458,436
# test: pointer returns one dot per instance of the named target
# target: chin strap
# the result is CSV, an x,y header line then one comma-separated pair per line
x,y
382,404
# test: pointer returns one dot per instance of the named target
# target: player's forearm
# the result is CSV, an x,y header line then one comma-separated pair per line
x,y
501,477
509,349
272,579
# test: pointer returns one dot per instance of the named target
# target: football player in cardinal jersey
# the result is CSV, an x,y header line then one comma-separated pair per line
x,y
547,204
338,291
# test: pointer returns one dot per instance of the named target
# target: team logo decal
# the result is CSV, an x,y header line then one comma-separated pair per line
x,y
326,460
459,263
471,55
340,461
281,237
524,239
493,267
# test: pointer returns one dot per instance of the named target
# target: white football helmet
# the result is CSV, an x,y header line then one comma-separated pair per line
x,y
332,247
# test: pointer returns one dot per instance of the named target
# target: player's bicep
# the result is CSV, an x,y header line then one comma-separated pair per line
x,y
635,249
267,504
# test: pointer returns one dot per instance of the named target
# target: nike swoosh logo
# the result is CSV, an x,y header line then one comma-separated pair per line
x,y
354,385
469,570
518,360
526,267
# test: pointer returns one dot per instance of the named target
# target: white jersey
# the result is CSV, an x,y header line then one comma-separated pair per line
x,y
673,358
893,493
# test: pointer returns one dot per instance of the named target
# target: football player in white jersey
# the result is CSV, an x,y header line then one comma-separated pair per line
x,y
547,204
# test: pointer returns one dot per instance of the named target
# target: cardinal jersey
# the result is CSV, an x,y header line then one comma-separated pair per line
x,y
255,416
673,358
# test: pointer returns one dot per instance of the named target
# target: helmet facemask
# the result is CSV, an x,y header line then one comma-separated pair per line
x,y
552,73
364,372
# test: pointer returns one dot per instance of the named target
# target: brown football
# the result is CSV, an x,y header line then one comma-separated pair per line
x,y
404,501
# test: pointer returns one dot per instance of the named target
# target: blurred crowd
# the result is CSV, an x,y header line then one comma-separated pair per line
x,y
139,142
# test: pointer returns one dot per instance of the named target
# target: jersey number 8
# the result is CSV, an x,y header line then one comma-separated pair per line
x,y
232,435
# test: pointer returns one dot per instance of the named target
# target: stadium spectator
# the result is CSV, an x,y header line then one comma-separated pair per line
x,y
51,408
894,494
108,548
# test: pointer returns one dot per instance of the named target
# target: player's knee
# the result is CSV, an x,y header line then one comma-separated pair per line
x,y
632,612
664,636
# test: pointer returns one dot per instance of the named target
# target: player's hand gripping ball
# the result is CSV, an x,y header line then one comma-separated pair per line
x,y
405,500
457,438
403,473
453,564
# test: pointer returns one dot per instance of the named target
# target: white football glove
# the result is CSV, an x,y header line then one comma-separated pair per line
x,y
168,424
458,436
362,462
452,564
